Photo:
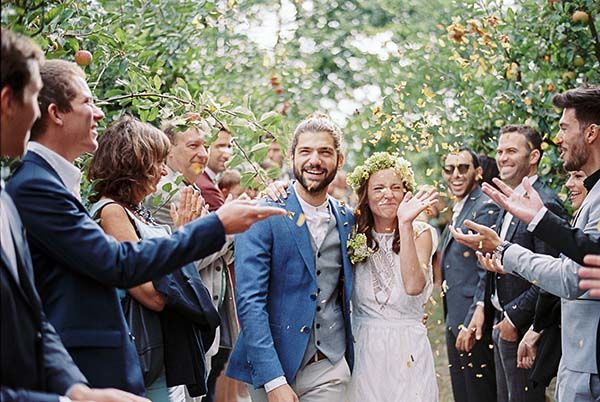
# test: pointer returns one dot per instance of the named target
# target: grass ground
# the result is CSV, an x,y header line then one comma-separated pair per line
x,y
435,325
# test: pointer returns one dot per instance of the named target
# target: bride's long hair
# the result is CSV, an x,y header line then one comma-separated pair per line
x,y
364,217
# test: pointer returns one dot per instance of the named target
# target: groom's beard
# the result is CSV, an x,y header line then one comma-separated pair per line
x,y
312,186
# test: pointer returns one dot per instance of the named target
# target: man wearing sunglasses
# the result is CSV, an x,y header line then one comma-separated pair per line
x,y
470,356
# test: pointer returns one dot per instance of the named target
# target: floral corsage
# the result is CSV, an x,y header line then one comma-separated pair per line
x,y
358,250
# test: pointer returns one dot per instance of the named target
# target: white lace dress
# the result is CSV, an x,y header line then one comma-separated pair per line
x,y
393,359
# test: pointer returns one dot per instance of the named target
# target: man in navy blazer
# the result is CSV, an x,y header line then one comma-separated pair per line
x,y
513,299
35,365
294,282
78,267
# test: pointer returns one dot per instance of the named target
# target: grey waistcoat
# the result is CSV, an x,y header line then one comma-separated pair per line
x,y
328,334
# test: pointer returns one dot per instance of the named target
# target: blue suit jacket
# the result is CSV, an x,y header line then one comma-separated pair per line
x,y
78,268
275,279
464,278
35,365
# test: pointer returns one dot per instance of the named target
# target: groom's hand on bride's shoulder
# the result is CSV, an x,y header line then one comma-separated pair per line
x,y
277,191
283,393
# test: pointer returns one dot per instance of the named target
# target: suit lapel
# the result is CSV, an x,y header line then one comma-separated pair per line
x,y
465,213
38,160
591,198
24,282
342,227
300,234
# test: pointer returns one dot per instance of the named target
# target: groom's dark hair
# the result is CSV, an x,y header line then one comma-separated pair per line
x,y
318,123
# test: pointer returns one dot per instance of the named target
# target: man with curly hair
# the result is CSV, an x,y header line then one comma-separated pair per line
x,y
293,292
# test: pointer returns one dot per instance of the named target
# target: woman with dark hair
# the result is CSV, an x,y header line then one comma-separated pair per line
x,y
392,253
490,169
127,167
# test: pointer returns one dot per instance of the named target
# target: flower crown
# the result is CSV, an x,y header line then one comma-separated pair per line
x,y
380,161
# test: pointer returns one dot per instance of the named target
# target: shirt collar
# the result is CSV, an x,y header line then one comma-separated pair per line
x,y
68,173
311,210
211,175
520,190
591,180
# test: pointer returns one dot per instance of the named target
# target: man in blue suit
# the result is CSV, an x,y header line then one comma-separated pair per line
x,y
77,267
294,282
470,357
35,365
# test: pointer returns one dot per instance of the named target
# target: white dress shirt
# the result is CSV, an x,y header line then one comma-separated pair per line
x,y
457,209
317,219
68,173
6,242
503,232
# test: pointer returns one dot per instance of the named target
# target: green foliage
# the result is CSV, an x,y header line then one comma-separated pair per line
x,y
398,76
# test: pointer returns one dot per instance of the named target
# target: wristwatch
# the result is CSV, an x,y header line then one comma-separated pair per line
x,y
500,249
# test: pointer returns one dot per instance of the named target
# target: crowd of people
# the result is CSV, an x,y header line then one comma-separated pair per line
x,y
175,274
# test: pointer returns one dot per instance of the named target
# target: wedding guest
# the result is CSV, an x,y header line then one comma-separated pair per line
x,y
229,183
186,162
468,341
35,365
540,350
579,141
217,275
126,167
513,299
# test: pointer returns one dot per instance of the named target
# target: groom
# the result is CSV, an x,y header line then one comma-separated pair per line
x,y
293,290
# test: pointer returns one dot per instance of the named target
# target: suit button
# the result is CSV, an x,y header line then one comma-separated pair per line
x,y
218,269
216,297
318,326
318,308
318,273
305,329
318,343
131,337
319,254
313,296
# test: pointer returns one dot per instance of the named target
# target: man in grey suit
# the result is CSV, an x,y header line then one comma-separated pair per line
x,y
579,141
470,356
186,162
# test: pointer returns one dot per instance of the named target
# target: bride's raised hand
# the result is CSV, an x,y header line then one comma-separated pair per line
x,y
411,206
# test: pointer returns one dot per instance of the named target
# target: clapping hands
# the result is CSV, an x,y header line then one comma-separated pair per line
x,y
191,206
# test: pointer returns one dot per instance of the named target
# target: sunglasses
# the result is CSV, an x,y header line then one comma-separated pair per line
x,y
463,168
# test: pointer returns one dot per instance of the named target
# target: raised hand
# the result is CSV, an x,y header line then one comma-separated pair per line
x,y
590,275
277,190
191,206
524,206
238,215
484,239
490,262
411,206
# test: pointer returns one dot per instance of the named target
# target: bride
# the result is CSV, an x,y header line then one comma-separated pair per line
x,y
391,252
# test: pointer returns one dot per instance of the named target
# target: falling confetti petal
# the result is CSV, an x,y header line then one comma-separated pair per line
x,y
301,220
